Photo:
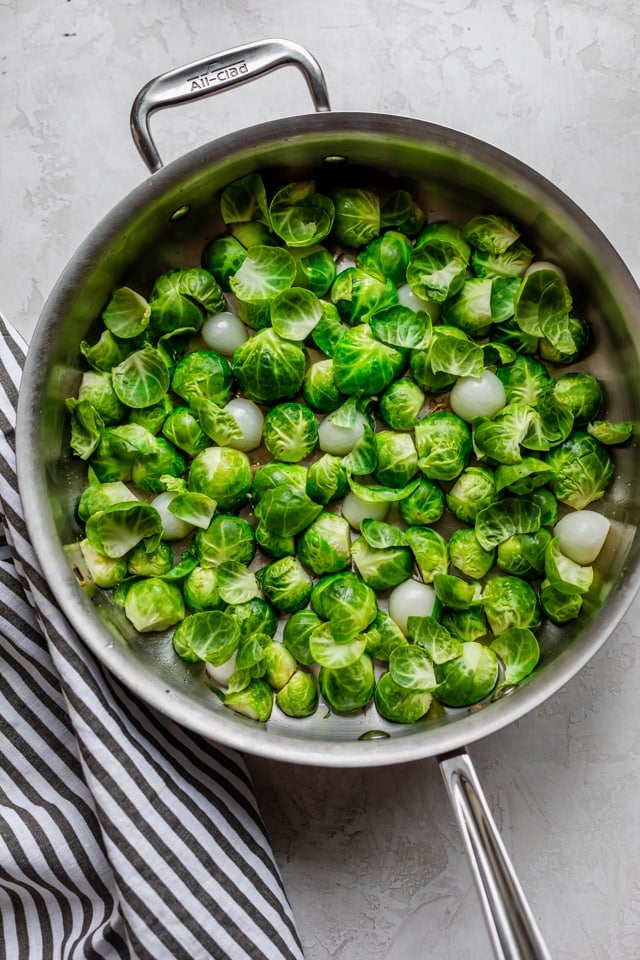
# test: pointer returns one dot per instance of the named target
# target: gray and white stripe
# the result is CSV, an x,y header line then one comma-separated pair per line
x,y
122,835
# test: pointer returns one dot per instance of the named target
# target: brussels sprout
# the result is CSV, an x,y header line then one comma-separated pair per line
x,y
299,696
452,353
244,199
315,269
200,590
325,545
509,336
219,425
255,701
499,439
210,635
571,348
456,593
279,665
150,563
438,263
98,496
269,368
118,449
222,473
183,430
196,284
401,404
545,500
358,295
274,544
106,353
327,652
465,625
470,308
557,606
127,313
510,602
425,504
524,477
299,215
610,433
296,633
430,551
468,555
482,396
386,257
286,584
348,689
380,535
254,616
564,574
152,418
98,389
439,645
286,510
473,491
501,520
160,460
401,211
383,636
204,374
86,427
329,329
382,569
153,604
121,526
294,313
490,233
227,537
550,424
525,380
582,470
519,652
290,432
274,474
469,678
397,459
319,387
265,272
512,263
412,669
523,555
223,257
581,393
443,442
357,216
106,572
256,315
253,233
542,307
346,602
236,583
399,704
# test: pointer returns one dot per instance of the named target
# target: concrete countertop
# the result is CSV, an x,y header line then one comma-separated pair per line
x,y
373,861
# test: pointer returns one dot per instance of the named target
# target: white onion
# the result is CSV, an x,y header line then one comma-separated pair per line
x,y
411,599
581,535
224,332
355,510
250,419
477,396
173,528
345,262
407,298
340,440
220,674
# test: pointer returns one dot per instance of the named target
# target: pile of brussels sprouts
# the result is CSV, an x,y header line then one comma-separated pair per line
x,y
344,458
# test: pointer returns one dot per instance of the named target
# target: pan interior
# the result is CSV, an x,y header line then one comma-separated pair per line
x,y
165,223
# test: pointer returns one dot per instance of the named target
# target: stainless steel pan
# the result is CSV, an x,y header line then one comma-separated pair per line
x,y
165,222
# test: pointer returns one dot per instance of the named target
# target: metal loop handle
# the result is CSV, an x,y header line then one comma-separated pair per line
x,y
512,927
217,73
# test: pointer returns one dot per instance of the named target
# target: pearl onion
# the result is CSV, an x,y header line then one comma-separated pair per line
x,y
477,396
407,298
581,535
173,528
411,599
250,419
224,332
355,510
340,440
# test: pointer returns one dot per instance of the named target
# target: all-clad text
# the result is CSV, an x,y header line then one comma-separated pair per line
x,y
215,75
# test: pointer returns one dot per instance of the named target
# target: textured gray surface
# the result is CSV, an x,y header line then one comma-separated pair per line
x,y
373,860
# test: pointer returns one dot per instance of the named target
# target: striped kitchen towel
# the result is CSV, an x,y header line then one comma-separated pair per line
x,y
122,835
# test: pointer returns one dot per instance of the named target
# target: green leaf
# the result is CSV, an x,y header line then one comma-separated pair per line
x,y
265,272
236,583
127,314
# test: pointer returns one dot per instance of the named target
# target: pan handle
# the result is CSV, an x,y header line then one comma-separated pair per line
x,y
217,73
512,927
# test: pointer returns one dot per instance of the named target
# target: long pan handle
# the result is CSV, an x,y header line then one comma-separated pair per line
x,y
512,927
